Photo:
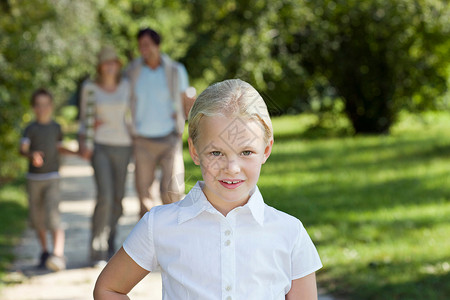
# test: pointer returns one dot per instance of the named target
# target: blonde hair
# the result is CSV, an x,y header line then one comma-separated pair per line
x,y
230,98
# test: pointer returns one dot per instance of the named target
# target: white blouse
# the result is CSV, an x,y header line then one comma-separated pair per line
x,y
253,253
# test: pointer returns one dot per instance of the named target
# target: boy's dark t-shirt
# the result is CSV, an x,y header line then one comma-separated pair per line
x,y
45,138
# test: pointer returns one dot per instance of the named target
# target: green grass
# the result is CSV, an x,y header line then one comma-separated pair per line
x,y
377,207
13,216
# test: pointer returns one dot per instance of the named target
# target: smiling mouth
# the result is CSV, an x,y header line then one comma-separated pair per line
x,y
231,184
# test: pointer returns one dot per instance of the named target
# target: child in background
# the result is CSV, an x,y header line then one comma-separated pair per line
x,y
41,143
221,241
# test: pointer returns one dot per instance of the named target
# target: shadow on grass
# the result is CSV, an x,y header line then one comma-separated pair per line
x,y
350,154
373,281
315,204
427,287
314,133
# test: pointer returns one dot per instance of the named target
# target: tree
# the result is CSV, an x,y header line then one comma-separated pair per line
x,y
236,39
377,54
119,22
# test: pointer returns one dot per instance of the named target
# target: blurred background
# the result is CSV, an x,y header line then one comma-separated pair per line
x,y
359,95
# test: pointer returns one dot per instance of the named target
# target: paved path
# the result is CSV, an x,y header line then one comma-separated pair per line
x,y
78,280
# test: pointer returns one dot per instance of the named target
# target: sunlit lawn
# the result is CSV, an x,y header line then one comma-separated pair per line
x,y
377,207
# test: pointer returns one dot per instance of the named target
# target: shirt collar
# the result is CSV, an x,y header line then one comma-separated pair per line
x,y
195,203
256,206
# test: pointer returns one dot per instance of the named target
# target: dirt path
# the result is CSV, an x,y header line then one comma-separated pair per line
x,y
78,280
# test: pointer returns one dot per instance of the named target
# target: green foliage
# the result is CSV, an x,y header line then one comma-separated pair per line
x,y
377,55
41,46
120,21
16,72
236,39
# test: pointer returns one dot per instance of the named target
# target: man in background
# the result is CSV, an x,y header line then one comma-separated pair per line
x,y
160,106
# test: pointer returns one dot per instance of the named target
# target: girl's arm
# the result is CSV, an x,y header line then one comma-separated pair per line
x,y
119,276
304,288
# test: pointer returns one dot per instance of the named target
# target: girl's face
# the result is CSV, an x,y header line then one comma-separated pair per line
x,y
230,152
110,68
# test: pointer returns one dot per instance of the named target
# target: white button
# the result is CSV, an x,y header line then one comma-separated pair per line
x,y
228,232
228,288
227,243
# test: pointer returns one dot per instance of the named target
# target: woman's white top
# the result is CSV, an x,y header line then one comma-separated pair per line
x,y
104,115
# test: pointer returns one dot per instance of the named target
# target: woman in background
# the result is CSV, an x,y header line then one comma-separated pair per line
x,y
104,138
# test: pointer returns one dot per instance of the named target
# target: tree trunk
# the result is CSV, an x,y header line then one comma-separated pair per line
x,y
370,116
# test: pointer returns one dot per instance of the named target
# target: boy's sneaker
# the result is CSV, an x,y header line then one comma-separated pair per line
x,y
56,263
43,260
